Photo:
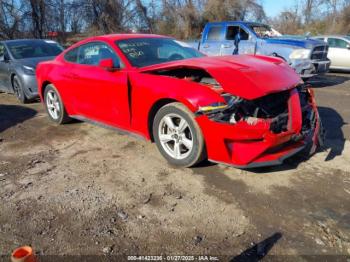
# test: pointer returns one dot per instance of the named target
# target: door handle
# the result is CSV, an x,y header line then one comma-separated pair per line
x,y
206,46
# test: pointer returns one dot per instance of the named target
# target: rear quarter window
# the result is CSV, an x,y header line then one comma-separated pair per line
x,y
215,33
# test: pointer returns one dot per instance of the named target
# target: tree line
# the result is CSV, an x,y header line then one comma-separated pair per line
x,y
183,19
315,17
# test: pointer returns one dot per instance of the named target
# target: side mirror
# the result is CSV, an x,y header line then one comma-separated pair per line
x,y
108,65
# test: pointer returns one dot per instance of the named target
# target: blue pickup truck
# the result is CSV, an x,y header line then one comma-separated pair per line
x,y
307,56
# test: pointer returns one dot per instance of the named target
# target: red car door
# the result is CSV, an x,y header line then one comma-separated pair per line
x,y
99,94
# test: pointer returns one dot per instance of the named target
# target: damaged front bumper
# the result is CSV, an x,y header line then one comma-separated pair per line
x,y
307,68
264,141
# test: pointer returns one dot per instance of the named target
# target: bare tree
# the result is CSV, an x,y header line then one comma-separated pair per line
x,y
308,10
108,16
147,20
38,14
252,10
11,18
289,20
186,18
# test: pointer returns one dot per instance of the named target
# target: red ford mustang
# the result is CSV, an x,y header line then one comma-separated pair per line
x,y
246,111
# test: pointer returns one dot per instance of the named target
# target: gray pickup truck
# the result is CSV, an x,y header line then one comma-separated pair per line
x,y
307,56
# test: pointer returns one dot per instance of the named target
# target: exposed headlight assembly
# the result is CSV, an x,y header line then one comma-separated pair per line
x,y
300,54
236,109
222,112
29,70
216,107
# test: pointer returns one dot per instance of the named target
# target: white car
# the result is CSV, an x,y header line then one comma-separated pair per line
x,y
339,51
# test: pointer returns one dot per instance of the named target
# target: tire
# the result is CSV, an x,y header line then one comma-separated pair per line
x,y
54,105
178,136
18,90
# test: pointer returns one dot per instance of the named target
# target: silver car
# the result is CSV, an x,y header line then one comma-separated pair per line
x,y
339,51
18,60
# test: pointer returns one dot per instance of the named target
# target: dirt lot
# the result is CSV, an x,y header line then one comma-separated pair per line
x,y
79,189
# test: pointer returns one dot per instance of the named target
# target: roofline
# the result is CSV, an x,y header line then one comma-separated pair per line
x,y
237,21
26,39
126,36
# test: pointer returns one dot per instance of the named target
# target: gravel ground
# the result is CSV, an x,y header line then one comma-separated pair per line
x,y
79,189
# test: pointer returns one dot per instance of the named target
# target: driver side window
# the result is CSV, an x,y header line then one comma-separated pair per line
x,y
244,34
232,31
93,53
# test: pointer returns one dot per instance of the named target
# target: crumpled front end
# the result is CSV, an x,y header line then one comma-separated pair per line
x,y
263,131
308,68
303,67
316,63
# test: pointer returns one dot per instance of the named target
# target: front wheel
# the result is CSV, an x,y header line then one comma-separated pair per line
x,y
18,90
54,105
178,136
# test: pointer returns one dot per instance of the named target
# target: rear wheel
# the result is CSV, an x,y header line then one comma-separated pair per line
x,y
54,105
18,90
178,136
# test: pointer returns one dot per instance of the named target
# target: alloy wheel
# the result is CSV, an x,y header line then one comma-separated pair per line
x,y
53,104
17,89
175,136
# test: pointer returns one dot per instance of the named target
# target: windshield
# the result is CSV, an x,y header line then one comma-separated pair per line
x,y
150,51
264,31
34,48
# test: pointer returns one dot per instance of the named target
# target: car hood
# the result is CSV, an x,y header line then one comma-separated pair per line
x,y
303,43
246,76
33,62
